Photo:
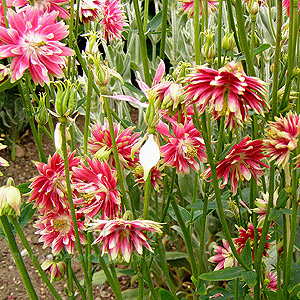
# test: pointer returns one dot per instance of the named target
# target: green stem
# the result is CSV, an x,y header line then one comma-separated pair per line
x,y
145,17
141,287
163,29
147,196
253,22
195,191
197,31
88,253
13,247
69,276
63,122
236,289
220,33
81,290
148,277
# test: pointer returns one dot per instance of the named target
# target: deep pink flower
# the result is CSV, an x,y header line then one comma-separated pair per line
x,y
101,146
121,237
224,257
96,184
188,6
273,281
183,148
48,188
90,10
229,92
56,230
245,235
282,137
32,39
113,19
286,4
242,161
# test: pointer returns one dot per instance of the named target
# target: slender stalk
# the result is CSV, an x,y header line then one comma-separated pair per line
x,y
69,276
63,122
148,277
236,289
195,190
220,32
13,247
115,277
147,196
141,287
88,253
197,31
163,29
253,22
145,17
81,290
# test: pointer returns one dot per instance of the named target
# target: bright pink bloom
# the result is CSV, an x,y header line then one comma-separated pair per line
x,y
282,137
113,19
101,143
121,237
96,184
229,92
224,257
273,281
56,230
32,39
242,161
286,4
184,148
48,188
90,10
188,6
245,235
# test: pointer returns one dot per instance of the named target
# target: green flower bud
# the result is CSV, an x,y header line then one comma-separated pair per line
x,y
228,42
42,115
10,199
253,7
209,48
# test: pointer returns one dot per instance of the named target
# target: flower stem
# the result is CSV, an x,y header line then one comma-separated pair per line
x,y
147,196
220,32
163,29
253,22
13,247
63,122
197,31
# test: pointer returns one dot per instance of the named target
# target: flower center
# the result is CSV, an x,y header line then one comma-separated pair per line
x,y
62,225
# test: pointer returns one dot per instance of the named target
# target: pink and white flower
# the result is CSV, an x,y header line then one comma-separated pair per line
x,y
33,40
184,147
243,161
96,185
56,269
188,6
90,10
122,238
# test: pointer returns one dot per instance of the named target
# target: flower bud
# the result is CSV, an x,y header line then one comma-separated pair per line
x,y
56,269
42,115
149,155
10,199
253,7
228,42
209,48
4,71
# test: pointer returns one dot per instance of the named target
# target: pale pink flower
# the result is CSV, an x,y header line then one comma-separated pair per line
x,y
48,188
96,184
57,230
282,137
122,238
228,91
55,268
224,257
183,148
113,19
32,39
243,161
100,143
90,10
188,6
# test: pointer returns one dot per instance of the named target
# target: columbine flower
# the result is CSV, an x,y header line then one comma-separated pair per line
x,y
286,4
10,199
224,257
271,279
32,39
56,230
113,19
184,148
96,183
227,92
242,161
282,138
121,237
89,10
149,155
101,142
188,6
56,269
245,235
48,188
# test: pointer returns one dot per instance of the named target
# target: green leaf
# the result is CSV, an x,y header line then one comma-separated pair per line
x,y
223,275
155,22
249,277
295,278
132,294
247,254
274,214
99,278
224,294
165,295
24,188
27,212
256,51
8,85
176,255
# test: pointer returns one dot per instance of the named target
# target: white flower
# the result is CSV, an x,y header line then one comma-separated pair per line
x,y
149,155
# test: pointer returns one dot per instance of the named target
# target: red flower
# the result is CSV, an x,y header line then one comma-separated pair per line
x,y
188,6
242,161
90,10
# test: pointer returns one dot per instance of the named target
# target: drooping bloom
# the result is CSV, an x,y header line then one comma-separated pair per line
x,y
224,257
32,39
90,10
56,269
122,238
56,230
245,235
228,91
113,19
48,188
188,6
243,161
282,137
184,148
100,143
96,185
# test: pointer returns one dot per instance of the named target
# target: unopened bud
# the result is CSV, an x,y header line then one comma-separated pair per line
x,y
296,71
42,115
253,7
10,199
209,48
56,269
228,42
4,71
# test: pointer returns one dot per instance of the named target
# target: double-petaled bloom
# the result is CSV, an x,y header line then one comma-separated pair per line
x,y
243,161
188,6
95,184
90,10
57,230
33,41
100,144
282,138
224,257
183,148
227,92
120,238
49,188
